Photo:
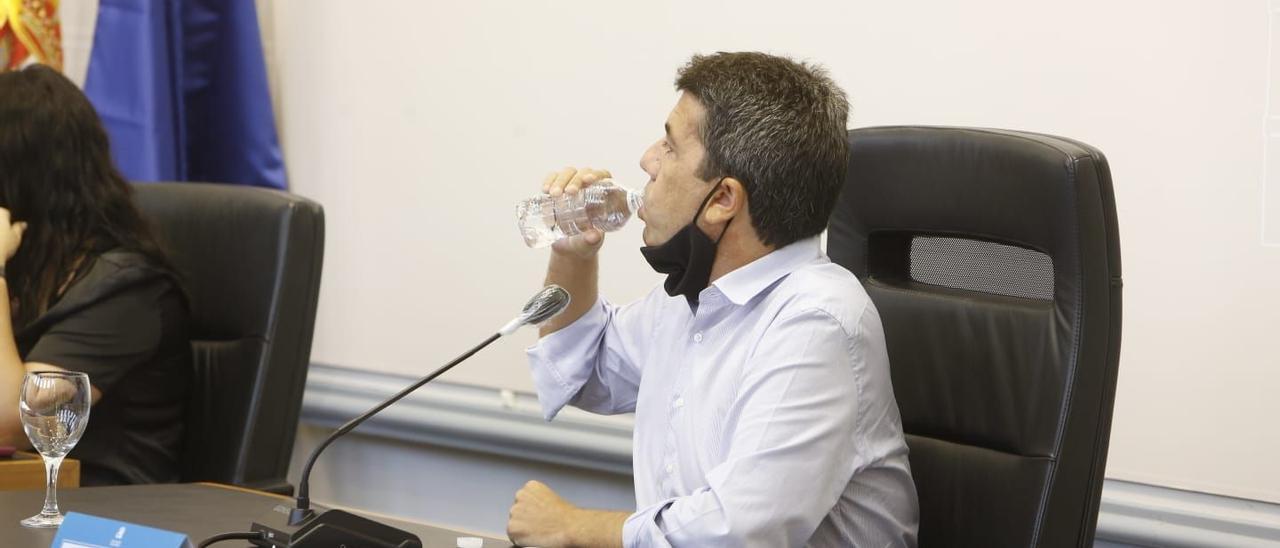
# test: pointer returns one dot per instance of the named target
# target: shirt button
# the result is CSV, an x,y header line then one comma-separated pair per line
x,y
678,403
697,337
671,468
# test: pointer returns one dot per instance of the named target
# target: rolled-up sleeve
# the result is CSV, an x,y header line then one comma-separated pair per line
x,y
594,362
792,447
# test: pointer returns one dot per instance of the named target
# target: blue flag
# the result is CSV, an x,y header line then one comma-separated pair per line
x,y
181,86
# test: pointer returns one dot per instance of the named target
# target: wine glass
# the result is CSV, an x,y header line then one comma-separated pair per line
x,y
55,410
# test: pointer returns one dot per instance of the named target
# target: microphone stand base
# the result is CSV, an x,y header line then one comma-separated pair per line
x,y
329,529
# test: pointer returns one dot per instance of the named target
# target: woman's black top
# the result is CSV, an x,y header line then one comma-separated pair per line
x,y
125,323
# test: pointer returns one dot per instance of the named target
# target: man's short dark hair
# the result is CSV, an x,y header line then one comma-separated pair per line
x,y
779,126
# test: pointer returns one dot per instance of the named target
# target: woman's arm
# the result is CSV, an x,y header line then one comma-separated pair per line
x,y
11,372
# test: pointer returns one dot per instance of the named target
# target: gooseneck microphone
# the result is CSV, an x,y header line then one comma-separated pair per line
x,y
302,527
552,300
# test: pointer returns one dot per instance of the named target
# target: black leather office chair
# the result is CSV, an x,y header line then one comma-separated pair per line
x,y
994,260
251,261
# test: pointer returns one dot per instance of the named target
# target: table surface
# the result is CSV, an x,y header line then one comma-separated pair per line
x,y
199,510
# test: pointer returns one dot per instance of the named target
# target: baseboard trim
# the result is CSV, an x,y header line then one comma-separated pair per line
x,y
510,424
1151,515
467,417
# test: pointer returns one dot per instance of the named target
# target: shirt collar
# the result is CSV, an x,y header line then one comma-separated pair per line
x,y
749,280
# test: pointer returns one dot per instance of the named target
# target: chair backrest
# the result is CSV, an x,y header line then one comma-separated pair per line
x,y
994,260
250,260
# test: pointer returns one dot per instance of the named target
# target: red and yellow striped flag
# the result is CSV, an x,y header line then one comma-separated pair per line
x,y
30,33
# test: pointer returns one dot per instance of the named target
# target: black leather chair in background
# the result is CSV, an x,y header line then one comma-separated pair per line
x,y
251,261
994,260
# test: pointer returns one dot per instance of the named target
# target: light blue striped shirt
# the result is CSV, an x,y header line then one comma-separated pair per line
x,y
765,419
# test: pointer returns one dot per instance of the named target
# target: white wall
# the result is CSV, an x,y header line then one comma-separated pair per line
x,y
419,124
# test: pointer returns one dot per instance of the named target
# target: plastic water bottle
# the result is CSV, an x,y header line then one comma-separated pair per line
x,y
603,205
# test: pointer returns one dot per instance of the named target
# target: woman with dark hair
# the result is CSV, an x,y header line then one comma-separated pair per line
x,y
84,285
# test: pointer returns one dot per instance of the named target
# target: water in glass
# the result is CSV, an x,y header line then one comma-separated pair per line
x,y
54,407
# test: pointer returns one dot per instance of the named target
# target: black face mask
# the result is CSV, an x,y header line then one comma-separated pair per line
x,y
687,257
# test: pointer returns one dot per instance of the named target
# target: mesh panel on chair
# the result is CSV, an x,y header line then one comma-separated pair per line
x,y
976,265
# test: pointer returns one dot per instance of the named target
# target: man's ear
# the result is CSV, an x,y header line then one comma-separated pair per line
x,y
729,201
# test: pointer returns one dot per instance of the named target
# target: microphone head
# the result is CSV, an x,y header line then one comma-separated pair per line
x,y
548,302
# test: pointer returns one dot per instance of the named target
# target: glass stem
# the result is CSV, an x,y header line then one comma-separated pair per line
x,y
51,466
